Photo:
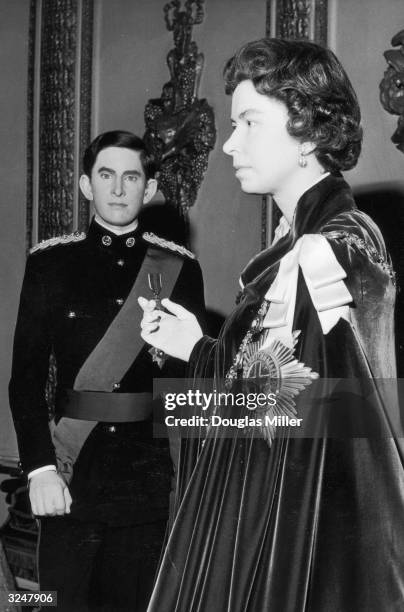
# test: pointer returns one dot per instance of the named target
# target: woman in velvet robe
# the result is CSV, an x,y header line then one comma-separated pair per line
x,y
270,519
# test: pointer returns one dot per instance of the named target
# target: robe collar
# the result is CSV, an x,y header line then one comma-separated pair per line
x,y
318,205
325,200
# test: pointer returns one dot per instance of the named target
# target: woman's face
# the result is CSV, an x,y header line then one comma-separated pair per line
x,y
264,155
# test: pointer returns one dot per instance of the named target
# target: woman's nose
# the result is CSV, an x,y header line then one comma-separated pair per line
x,y
229,145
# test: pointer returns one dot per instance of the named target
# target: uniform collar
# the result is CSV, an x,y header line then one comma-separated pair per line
x,y
118,231
106,239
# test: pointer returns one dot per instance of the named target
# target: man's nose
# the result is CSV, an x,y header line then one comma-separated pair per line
x,y
118,186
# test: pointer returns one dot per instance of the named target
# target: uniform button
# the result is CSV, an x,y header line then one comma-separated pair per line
x,y
119,301
120,262
106,240
116,386
72,314
130,242
112,429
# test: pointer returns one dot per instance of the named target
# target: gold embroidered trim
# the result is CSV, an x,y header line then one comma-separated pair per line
x,y
167,244
372,253
65,239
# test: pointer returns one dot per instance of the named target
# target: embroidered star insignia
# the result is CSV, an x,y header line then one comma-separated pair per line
x,y
276,370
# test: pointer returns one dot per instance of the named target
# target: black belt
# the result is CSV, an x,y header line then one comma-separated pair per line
x,y
103,406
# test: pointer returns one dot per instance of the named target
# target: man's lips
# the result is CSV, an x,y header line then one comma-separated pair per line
x,y
119,204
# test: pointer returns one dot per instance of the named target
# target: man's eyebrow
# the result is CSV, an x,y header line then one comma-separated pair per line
x,y
135,172
111,171
105,169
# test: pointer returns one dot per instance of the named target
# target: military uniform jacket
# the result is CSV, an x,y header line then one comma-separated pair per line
x,y
71,293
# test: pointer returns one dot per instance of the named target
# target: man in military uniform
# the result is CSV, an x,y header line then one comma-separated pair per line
x,y
98,478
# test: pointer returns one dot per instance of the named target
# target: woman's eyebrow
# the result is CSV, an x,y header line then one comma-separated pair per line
x,y
250,111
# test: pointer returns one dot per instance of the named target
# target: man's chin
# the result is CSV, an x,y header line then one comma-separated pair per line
x,y
120,220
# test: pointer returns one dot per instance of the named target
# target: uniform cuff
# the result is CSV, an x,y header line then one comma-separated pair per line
x,y
44,468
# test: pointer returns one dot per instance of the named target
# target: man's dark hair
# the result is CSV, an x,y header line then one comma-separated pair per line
x,y
119,138
309,79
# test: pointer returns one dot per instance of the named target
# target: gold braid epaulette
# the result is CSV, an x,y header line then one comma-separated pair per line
x,y
167,244
65,239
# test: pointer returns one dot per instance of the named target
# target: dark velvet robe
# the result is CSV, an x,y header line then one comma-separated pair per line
x,y
313,523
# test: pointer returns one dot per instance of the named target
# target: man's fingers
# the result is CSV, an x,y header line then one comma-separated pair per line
x,y
36,502
176,309
58,503
50,499
68,500
35,507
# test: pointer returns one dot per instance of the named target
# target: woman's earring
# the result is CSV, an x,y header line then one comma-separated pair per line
x,y
302,160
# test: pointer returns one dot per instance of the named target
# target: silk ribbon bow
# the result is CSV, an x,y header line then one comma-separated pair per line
x,y
324,277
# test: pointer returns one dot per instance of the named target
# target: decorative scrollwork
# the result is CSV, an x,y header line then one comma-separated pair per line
x,y
56,170
180,128
294,18
64,68
392,87
298,19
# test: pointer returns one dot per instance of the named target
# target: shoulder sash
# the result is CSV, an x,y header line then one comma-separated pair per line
x,y
120,345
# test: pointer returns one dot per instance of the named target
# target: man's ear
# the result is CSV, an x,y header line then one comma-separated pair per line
x,y
85,187
150,191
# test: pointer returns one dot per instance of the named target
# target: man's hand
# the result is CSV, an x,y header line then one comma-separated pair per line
x,y
175,332
49,494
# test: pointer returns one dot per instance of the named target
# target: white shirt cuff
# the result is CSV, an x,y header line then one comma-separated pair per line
x,y
44,468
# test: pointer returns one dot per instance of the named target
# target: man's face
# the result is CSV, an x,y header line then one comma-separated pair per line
x,y
265,156
118,186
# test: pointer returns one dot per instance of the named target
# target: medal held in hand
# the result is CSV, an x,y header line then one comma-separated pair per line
x,y
155,286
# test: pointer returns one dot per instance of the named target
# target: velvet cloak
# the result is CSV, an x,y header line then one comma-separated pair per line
x,y
304,524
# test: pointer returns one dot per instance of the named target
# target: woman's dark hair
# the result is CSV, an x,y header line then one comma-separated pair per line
x,y
118,138
310,81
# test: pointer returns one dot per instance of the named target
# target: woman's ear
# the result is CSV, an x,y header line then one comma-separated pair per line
x,y
85,187
150,191
306,148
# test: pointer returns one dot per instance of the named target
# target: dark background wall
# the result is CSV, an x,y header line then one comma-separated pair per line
x,y
14,21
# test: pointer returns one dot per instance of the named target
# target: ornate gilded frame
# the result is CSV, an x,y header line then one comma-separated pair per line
x,y
59,111
304,19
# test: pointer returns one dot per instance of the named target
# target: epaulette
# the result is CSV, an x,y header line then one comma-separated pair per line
x,y
167,244
65,239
